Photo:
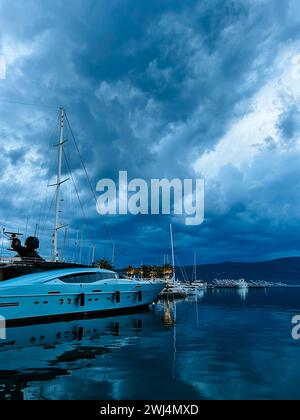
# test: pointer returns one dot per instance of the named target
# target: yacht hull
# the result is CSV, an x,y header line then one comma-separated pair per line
x,y
53,299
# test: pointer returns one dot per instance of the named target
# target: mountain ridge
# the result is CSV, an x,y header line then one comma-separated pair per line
x,y
286,270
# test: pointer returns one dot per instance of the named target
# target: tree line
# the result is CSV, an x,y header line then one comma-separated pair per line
x,y
145,271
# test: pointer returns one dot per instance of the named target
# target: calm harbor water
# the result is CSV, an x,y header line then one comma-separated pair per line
x,y
226,344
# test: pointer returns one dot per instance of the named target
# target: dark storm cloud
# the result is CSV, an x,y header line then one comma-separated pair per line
x,y
149,87
289,122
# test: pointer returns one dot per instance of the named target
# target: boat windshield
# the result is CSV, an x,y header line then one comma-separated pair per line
x,y
88,277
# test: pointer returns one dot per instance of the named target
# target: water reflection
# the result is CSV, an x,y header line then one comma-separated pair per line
x,y
243,293
43,353
224,344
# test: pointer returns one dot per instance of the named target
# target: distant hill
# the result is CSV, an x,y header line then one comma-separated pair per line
x,y
286,270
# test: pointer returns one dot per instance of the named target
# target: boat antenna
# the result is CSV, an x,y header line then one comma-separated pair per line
x,y
113,254
35,230
64,244
93,254
173,255
27,219
80,247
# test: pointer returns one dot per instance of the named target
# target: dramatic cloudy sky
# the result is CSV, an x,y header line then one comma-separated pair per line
x,y
161,89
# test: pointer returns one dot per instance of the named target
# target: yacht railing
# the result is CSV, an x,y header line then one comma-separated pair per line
x,y
19,261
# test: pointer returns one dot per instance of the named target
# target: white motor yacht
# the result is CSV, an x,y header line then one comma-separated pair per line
x,y
73,291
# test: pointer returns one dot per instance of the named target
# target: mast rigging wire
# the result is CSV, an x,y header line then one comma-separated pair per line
x,y
25,103
87,176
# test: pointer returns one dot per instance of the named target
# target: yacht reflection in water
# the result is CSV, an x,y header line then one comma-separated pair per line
x,y
215,347
33,356
243,293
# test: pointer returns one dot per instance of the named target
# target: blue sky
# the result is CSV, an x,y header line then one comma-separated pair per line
x,y
161,89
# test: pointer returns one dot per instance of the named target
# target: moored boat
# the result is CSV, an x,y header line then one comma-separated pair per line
x,y
73,291
33,288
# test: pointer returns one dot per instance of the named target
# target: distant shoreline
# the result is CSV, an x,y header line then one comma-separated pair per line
x,y
281,270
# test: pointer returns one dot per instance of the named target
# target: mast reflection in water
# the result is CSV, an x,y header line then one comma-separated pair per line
x,y
224,344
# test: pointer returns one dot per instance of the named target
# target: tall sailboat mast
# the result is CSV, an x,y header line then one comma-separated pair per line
x,y
173,255
58,185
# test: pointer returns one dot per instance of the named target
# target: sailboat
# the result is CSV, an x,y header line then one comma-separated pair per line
x,y
32,288
196,287
174,289
184,289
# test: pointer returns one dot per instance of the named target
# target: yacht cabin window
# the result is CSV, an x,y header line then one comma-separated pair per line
x,y
88,277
